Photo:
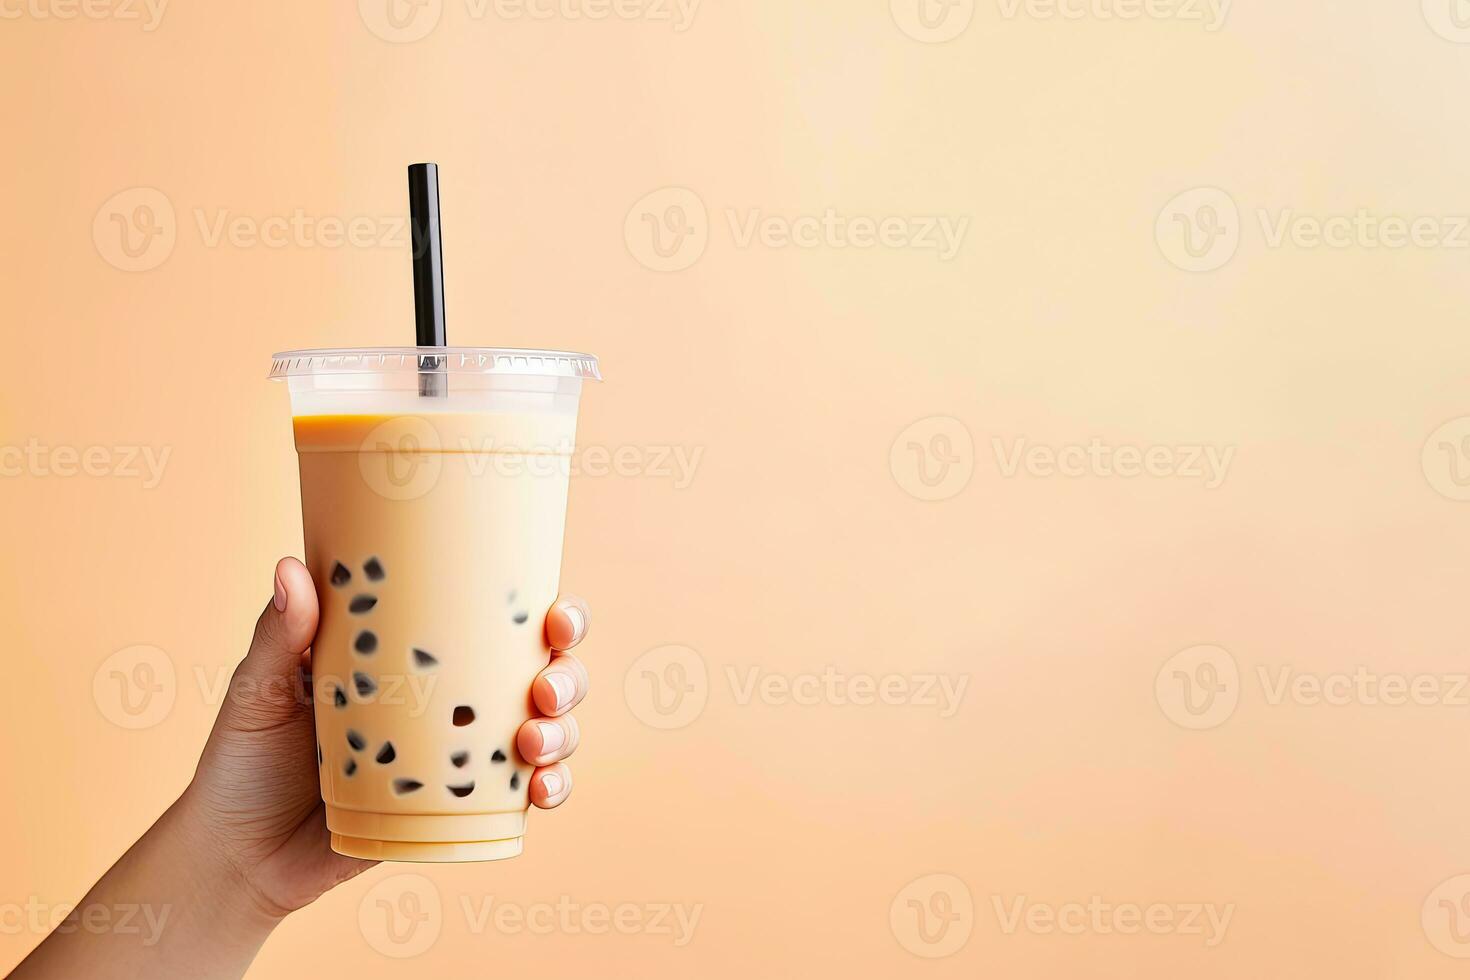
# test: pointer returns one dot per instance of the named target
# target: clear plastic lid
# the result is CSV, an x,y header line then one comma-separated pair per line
x,y
446,360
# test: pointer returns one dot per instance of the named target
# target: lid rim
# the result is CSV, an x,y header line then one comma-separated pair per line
x,y
309,362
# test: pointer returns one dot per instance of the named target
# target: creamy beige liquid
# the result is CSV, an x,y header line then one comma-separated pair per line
x,y
435,542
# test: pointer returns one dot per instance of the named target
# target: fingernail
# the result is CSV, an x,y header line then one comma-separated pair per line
x,y
563,687
280,599
578,623
551,782
552,736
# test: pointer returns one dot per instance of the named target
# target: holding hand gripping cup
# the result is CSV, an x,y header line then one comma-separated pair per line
x,y
433,526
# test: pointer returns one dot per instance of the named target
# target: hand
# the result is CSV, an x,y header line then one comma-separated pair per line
x,y
256,790
248,842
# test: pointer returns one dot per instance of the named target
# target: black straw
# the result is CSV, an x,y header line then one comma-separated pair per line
x,y
428,272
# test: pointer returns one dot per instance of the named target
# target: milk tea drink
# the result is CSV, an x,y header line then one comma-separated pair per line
x,y
433,517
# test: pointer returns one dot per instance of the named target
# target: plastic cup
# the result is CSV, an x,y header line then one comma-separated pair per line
x,y
433,516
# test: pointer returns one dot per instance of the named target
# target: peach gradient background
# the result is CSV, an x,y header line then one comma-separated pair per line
x,y
793,371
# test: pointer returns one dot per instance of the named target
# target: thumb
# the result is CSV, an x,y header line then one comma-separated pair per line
x,y
286,627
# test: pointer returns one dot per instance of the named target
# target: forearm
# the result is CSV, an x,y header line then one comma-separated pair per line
x,y
171,907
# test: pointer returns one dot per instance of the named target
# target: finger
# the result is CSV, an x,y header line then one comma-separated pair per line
x,y
566,623
285,628
551,786
543,741
561,686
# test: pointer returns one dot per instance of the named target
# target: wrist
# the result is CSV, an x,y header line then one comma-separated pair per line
x,y
218,875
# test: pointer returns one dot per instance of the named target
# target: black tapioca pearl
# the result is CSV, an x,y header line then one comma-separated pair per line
x,y
404,786
350,768
515,780
520,617
510,597
497,756
366,642
355,742
373,569
339,696
365,685
462,791
386,754
340,575
424,658
459,759
463,715
361,604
